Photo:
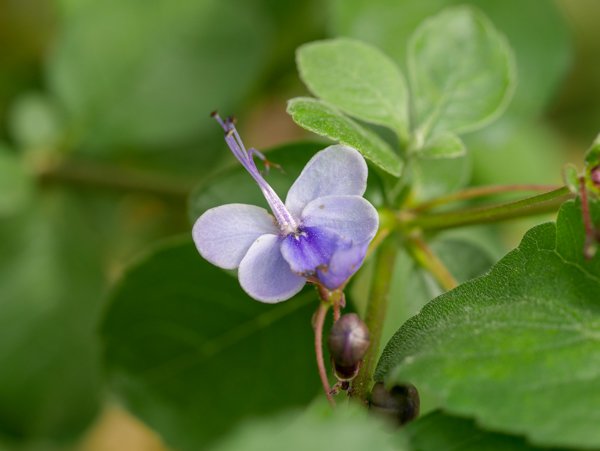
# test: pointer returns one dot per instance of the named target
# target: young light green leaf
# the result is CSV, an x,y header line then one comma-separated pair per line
x,y
518,348
349,427
462,72
445,145
192,355
438,431
543,57
357,78
323,119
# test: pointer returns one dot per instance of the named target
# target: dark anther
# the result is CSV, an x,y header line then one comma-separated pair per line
x,y
401,404
348,343
214,113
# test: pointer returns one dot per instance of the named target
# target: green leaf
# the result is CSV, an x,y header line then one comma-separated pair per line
x,y
518,348
446,145
325,120
51,285
347,428
438,431
16,185
543,56
412,287
131,74
461,71
192,355
358,79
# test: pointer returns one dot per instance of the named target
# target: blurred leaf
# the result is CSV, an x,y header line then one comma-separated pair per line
x,y
347,428
192,355
513,151
136,73
483,347
325,120
438,431
461,72
446,145
538,35
50,290
16,185
358,79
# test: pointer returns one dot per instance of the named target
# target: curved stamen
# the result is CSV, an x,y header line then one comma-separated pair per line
x,y
286,222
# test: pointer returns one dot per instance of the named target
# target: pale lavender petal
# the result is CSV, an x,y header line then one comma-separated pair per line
x,y
343,264
224,234
310,249
351,217
336,170
265,275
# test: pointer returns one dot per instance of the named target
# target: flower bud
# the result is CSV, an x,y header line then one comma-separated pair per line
x,y
595,176
348,343
401,403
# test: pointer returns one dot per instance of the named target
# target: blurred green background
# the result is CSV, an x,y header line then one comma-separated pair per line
x,y
105,128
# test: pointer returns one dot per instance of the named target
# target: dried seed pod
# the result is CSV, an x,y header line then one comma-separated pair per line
x,y
348,343
401,403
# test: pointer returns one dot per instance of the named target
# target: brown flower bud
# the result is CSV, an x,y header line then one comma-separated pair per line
x,y
348,343
401,403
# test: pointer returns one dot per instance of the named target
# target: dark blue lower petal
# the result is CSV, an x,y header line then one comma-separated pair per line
x,y
321,253
342,265
310,249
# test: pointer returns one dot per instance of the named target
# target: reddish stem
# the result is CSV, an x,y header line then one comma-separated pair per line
x,y
319,321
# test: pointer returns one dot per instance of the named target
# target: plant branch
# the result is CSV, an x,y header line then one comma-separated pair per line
x,y
480,191
542,203
428,260
113,178
375,315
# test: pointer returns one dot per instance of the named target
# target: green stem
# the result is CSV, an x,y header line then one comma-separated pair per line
x,y
542,203
429,261
479,191
113,178
375,315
